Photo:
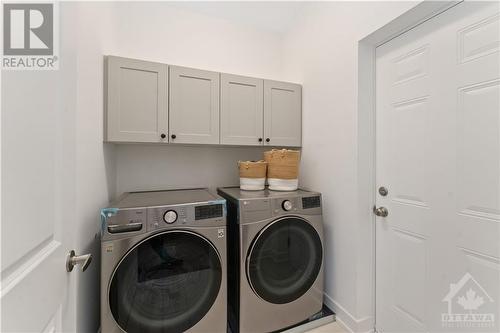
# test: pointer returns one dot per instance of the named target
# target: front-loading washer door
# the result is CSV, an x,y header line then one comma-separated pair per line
x,y
284,260
166,283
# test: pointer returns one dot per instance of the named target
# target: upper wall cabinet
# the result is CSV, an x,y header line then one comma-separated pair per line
x,y
153,102
242,110
137,98
282,113
194,106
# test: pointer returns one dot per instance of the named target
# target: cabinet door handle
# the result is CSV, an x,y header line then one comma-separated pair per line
x,y
260,139
173,136
268,140
163,136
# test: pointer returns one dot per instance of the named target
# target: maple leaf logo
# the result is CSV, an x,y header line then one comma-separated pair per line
x,y
471,301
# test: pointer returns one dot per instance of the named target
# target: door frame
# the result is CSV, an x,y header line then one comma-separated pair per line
x,y
366,148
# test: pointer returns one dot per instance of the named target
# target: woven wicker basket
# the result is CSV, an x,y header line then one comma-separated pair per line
x,y
252,175
282,169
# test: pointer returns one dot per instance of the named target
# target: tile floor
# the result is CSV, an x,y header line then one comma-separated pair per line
x,y
334,327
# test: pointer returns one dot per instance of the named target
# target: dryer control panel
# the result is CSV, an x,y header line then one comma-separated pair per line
x,y
264,208
308,205
282,205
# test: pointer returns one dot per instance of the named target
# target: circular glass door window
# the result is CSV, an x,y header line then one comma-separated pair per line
x,y
167,283
284,260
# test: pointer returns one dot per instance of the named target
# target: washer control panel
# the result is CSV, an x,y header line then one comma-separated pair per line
x,y
161,217
179,216
170,216
287,205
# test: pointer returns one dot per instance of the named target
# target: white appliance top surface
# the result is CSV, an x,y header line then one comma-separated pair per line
x,y
164,198
238,194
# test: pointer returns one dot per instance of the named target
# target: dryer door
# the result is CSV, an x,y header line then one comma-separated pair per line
x,y
166,283
284,260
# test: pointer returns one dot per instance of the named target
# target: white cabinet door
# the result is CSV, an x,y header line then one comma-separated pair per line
x,y
242,110
438,155
282,113
194,106
137,101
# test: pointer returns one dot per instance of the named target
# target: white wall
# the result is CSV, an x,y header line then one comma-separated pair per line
x,y
143,167
95,161
321,52
165,33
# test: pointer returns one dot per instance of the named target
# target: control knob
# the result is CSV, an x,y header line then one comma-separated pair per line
x,y
287,205
170,216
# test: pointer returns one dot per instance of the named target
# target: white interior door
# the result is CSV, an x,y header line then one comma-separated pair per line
x,y
38,201
438,156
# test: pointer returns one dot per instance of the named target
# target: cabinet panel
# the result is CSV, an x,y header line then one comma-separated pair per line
x,y
242,110
282,113
194,106
136,100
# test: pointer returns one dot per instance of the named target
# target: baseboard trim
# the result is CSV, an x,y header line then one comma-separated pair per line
x,y
344,317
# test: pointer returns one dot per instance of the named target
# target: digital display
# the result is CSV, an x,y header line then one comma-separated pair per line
x,y
208,212
311,202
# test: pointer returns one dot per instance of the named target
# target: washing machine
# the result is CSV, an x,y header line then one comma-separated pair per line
x,y
275,258
163,263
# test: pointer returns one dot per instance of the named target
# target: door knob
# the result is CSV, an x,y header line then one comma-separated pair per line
x,y
74,260
381,211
